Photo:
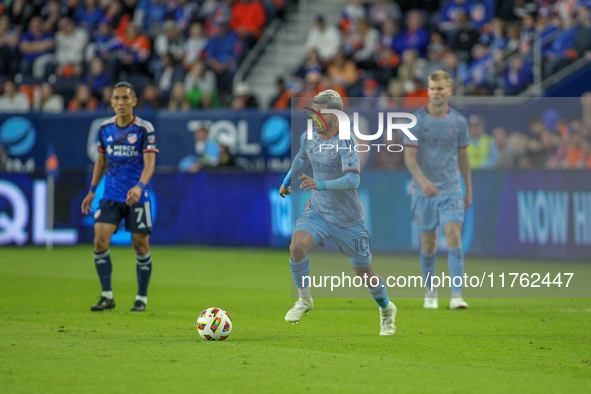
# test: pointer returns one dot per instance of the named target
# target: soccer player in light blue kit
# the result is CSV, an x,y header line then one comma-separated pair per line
x,y
437,199
333,212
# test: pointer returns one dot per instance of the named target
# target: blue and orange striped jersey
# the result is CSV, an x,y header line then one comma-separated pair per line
x,y
330,159
438,143
125,148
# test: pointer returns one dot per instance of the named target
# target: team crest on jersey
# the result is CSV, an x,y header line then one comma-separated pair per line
x,y
451,130
132,138
331,154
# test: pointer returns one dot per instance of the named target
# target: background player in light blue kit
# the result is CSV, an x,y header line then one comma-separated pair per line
x,y
127,152
333,211
437,199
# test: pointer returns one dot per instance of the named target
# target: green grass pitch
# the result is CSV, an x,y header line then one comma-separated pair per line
x,y
51,342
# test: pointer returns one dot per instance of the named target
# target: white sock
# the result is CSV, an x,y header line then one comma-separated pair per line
x,y
142,299
305,292
108,294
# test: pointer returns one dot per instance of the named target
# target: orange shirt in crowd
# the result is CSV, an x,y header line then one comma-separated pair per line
x,y
574,157
250,17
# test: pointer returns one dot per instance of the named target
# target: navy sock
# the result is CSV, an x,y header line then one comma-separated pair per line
x,y
144,270
104,268
455,261
380,294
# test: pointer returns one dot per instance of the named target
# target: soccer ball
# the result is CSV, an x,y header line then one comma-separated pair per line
x,y
214,324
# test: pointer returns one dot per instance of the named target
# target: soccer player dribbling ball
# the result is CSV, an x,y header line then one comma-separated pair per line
x,y
333,212
437,200
127,153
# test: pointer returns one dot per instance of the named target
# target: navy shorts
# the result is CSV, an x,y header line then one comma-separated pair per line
x,y
138,217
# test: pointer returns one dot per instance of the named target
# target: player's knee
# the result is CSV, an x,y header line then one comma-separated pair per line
x,y
428,246
101,242
453,238
297,251
140,246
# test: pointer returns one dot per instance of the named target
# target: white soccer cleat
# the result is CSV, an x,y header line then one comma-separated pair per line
x,y
388,319
302,306
458,303
431,300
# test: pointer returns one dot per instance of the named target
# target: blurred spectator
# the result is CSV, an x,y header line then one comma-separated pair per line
x,y
178,99
201,87
149,100
8,47
464,38
195,45
105,43
105,98
12,100
343,70
561,50
352,13
247,20
540,152
36,48
482,11
280,100
116,17
222,53
324,39
207,151
513,38
89,16
493,34
136,51
170,41
482,150
51,13
478,74
3,159
70,42
415,36
509,150
20,12
149,15
573,155
412,66
382,10
435,53
388,34
48,101
582,41
416,94
312,63
449,19
371,88
243,99
215,13
364,44
83,100
184,12
97,76
170,74
518,75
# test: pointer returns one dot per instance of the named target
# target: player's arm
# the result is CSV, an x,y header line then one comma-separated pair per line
x,y
298,166
100,166
410,159
349,181
464,165
134,194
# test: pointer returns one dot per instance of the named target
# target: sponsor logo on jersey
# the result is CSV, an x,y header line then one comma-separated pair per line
x,y
132,138
110,139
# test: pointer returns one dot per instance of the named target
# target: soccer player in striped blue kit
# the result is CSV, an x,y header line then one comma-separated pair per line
x,y
436,192
333,212
127,153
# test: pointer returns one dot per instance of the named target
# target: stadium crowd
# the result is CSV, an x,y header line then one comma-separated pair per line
x,y
180,54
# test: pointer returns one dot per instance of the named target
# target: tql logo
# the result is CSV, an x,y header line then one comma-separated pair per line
x,y
345,128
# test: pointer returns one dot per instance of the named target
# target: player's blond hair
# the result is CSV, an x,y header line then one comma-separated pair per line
x,y
441,75
331,98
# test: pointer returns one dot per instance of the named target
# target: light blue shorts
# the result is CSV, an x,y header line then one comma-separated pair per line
x,y
352,241
430,212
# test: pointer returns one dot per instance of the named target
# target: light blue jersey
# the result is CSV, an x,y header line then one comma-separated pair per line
x,y
338,207
438,140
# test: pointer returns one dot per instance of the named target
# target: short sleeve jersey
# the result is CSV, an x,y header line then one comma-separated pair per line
x,y
125,148
438,140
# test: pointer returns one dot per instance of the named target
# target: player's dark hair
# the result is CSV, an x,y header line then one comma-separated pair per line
x,y
125,85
